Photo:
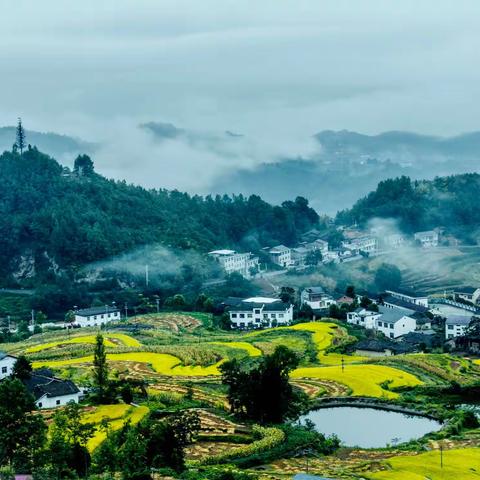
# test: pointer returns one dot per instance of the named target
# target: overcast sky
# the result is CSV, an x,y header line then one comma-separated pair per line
x,y
276,71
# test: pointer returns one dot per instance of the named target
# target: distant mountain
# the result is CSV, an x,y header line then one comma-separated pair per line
x,y
63,147
348,165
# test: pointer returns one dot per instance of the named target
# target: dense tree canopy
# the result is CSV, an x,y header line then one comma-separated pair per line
x,y
451,202
48,212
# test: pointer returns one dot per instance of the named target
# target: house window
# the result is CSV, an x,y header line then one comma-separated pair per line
x,y
391,325
39,404
249,315
257,311
57,402
391,334
234,315
94,317
242,315
4,369
274,315
265,316
280,315
450,327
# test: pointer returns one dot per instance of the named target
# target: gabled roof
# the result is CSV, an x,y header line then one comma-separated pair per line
x,y
458,320
378,345
43,383
86,312
467,290
317,290
393,315
279,249
404,304
5,355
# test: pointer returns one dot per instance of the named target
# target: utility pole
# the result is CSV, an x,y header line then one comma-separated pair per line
x,y
33,318
441,456
157,301
146,276
343,364
126,310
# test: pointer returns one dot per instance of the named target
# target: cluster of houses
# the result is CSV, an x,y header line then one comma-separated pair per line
x,y
47,390
357,243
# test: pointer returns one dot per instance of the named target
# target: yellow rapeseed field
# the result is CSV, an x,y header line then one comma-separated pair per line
x,y
458,464
117,416
88,339
363,380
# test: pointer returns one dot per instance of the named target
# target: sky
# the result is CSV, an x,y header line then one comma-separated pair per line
x,y
274,71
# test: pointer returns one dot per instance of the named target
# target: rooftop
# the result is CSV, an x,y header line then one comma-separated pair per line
x,y
468,290
4,355
316,290
402,303
458,320
42,382
85,312
266,307
279,249
261,300
393,315
221,252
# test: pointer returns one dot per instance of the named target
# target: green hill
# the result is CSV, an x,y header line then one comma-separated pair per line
x,y
51,216
450,202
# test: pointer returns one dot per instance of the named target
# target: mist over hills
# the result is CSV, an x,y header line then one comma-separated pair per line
x,y
339,167
63,147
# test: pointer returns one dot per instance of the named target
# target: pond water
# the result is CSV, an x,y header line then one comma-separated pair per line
x,y
369,427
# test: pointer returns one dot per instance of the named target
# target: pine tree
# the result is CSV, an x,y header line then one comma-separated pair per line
x,y
20,143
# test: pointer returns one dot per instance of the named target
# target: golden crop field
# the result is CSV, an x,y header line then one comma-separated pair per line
x,y
363,380
87,339
250,349
458,464
116,415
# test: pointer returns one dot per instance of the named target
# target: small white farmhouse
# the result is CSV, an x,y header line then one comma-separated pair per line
x,y
395,322
316,298
363,318
6,365
258,312
49,391
96,316
456,326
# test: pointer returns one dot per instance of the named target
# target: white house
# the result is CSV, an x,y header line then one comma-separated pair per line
x,y
299,255
316,298
317,245
6,364
395,322
411,297
365,244
258,312
456,326
427,239
363,318
281,255
395,240
49,391
96,316
469,294
232,261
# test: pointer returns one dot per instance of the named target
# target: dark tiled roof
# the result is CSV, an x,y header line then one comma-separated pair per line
x,y
467,290
375,345
232,301
85,312
402,303
43,383
3,355
314,290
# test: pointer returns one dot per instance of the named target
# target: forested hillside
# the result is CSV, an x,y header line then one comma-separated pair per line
x,y
450,202
71,218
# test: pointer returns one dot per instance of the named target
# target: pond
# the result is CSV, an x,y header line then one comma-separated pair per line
x,y
370,427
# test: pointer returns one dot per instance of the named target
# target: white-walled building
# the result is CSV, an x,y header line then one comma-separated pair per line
x,y
427,239
365,244
260,312
456,326
281,255
395,322
469,294
49,391
6,364
96,316
232,261
409,297
363,318
316,298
